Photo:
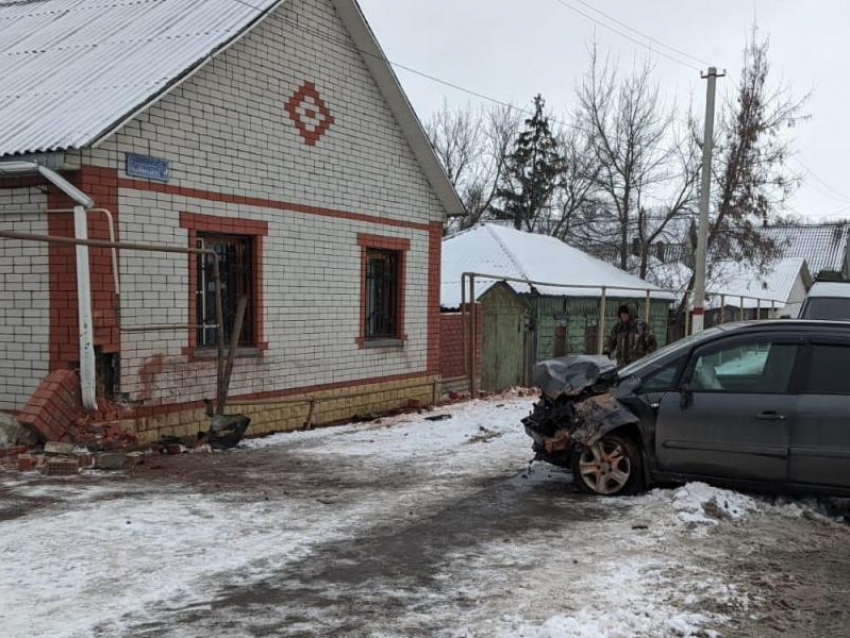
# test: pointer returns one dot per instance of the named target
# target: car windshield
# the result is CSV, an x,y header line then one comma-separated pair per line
x,y
828,309
682,344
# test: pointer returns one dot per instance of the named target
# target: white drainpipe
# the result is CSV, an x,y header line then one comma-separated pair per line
x,y
88,373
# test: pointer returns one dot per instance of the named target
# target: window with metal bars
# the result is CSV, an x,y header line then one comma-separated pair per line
x,y
237,279
382,294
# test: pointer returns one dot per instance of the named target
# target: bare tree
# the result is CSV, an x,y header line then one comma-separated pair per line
x,y
473,145
576,198
645,170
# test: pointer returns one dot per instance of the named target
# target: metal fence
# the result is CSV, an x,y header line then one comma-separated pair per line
x,y
643,296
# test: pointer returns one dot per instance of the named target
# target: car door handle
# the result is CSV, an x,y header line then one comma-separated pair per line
x,y
771,416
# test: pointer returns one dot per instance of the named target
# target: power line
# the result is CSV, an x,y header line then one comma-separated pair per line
x,y
837,195
644,35
432,78
640,43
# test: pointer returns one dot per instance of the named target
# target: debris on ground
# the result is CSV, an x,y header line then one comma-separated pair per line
x,y
226,432
439,417
484,435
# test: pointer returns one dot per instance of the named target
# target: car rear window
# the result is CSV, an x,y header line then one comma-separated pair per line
x,y
827,309
828,374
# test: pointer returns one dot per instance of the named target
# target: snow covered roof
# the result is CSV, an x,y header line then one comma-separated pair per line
x,y
823,246
498,250
735,281
74,71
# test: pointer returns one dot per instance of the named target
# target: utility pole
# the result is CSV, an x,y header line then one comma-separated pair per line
x,y
704,201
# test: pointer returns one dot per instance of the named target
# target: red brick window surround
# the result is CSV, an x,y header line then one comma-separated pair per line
x,y
200,226
383,275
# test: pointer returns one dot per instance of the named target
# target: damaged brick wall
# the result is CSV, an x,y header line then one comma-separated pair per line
x,y
55,407
453,326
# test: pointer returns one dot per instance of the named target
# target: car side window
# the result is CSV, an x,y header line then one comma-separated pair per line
x,y
664,379
761,367
828,370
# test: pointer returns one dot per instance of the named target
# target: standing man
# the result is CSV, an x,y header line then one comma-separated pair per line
x,y
630,339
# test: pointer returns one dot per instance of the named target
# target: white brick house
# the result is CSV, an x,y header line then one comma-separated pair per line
x,y
290,149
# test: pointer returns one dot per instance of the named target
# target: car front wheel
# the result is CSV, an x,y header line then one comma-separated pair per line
x,y
611,467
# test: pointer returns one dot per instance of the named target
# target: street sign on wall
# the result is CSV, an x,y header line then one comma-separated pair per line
x,y
147,167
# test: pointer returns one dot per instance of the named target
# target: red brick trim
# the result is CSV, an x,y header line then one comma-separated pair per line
x,y
260,202
379,242
156,410
196,223
435,246
382,242
308,89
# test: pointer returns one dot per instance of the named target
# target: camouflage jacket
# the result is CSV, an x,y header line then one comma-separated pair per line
x,y
630,341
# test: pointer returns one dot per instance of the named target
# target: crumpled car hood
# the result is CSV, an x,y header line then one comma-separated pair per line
x,y
570,376
580,404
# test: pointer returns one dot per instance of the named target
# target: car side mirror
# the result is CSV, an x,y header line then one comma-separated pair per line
x,y
687,396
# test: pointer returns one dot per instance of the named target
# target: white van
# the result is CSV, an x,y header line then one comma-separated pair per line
x,y
829,301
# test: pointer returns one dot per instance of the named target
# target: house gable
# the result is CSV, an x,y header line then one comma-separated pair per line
x,y
233,127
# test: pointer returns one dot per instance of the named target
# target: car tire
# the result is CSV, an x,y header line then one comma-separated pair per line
x,y
611,467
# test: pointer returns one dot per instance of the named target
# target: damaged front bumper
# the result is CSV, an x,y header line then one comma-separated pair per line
x,y
577,406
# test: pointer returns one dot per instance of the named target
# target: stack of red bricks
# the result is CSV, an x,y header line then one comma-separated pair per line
x,y
55,407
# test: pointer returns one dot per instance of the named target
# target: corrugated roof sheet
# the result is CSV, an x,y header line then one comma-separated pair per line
x,y
71,70
736,280
823,246
498,250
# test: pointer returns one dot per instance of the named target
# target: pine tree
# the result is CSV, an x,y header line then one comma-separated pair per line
x,y
532,174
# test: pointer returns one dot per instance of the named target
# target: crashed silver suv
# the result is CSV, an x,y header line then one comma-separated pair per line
x,y
760,405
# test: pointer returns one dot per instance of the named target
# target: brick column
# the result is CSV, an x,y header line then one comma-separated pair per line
x,y
102,186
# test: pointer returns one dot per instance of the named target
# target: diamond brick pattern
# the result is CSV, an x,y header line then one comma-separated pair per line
x,y
310,114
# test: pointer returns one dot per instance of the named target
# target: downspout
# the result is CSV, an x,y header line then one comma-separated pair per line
x,y
88,373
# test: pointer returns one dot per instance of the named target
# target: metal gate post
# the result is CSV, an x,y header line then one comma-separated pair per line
x,y
473,314
600,338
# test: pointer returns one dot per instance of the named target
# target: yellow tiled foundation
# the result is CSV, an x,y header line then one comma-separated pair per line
x,y
291,413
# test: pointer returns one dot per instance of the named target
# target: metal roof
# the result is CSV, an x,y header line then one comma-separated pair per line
x,y
736,280
73,70
493,249
823,246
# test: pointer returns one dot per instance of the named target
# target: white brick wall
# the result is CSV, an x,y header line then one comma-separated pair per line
x,y
226,131
24,299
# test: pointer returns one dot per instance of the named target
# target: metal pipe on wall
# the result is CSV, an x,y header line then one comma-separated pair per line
x,y
88,370
85,298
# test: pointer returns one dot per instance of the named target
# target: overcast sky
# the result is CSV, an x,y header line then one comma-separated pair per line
x,y
513,49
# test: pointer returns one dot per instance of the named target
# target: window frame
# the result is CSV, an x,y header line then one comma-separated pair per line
x,y
679,365
794,378
197,225
248,336
400,246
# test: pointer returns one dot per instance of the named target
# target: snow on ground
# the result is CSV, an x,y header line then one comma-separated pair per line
x,y
106,555
95,543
